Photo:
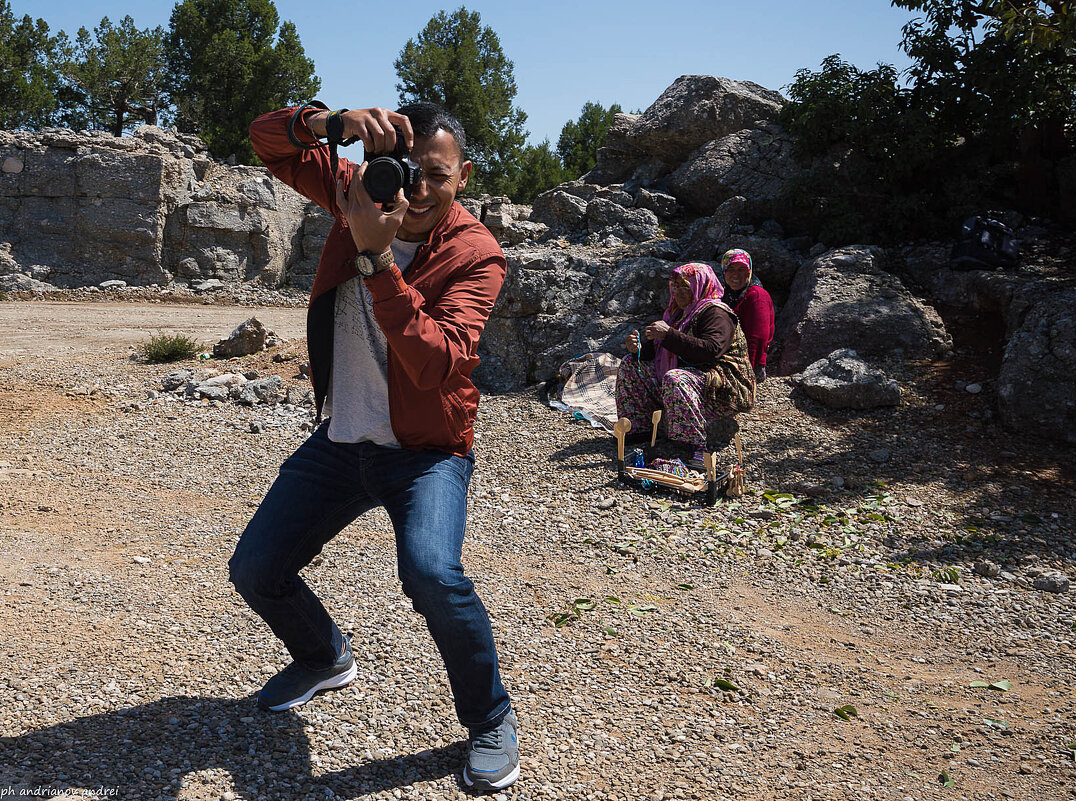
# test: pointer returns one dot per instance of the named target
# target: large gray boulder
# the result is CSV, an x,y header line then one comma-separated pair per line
x,y
756,163
558,302
1036,388
560,209
639,224
697,109
842,380
844,298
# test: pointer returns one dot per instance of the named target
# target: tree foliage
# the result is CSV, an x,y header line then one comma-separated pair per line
x,y
116,79
988,108
580,139
458,63
27,81
540,169
232,61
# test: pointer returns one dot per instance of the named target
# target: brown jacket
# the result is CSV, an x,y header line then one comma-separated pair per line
x,y
432,320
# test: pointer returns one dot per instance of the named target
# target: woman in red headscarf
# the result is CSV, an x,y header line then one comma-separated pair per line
x,y
694,363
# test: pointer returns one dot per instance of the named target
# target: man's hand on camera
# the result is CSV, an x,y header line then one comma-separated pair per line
x,y
372,227
374,126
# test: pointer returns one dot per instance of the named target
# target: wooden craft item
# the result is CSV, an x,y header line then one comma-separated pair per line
x,y
655,418
620,429
665,479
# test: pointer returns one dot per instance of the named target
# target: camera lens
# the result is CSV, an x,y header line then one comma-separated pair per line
x,y
384,177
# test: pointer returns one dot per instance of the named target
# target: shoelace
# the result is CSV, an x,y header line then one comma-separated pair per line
x,y
487,740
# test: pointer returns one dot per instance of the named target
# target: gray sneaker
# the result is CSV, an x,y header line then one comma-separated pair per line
x,y
296,684
493,755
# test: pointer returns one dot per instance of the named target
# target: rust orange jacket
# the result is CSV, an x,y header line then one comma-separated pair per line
x,y
432,320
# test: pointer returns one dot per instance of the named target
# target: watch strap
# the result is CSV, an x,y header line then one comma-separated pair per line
x,y
382,261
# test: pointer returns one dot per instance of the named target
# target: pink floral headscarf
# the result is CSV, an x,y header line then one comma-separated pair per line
x,y
706,290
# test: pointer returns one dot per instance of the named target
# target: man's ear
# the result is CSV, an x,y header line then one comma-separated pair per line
x,y
465,173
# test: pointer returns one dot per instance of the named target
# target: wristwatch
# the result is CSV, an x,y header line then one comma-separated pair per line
x,y
369,264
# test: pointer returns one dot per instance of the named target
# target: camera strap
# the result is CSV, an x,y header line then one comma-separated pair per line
x,y
334,132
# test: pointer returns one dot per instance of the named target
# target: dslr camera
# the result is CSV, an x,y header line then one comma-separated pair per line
x,y
388,173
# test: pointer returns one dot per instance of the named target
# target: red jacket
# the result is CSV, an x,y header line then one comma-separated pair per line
x,y
755,310
432,320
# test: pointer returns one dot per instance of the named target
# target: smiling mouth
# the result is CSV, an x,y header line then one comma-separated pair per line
x,y
420,211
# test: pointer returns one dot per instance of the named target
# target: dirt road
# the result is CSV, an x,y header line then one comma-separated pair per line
x,y
54,328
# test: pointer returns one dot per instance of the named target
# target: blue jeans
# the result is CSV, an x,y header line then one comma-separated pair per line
x,y
323,487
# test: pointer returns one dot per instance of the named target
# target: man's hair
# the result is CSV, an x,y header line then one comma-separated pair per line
x,y
429,118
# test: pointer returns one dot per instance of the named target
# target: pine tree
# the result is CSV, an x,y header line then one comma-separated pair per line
x,y
457,63
117,78
580,139
231,63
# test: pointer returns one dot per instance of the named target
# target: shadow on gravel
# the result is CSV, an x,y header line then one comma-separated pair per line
x,y
149,751
598,450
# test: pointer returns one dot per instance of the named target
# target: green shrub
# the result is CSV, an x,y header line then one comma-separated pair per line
x,y
161,348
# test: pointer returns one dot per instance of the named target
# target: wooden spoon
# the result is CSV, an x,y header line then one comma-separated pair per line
x,y
655,418
620,429
709,459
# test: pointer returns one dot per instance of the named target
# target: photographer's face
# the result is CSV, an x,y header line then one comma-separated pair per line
x,y
443,175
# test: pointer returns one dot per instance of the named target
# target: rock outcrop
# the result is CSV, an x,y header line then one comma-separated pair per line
x,y
80,208
843,297
1036,388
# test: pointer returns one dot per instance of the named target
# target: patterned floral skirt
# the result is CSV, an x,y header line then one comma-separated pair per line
x,y
691,399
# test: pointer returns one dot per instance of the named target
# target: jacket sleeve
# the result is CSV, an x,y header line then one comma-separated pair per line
x,y
756,318
711,337
433,341
308,172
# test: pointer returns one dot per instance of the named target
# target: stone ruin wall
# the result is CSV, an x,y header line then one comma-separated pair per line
x,y
80,208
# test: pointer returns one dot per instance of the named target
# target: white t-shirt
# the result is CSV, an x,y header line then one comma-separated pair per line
x,y
357,403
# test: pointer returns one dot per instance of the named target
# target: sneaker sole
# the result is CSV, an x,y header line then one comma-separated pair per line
x,y
333,683
497,785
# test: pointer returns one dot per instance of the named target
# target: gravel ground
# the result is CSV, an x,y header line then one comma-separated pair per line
x,y
704,650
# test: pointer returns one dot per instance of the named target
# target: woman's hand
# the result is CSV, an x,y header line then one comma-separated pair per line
x,y
657,329
632,343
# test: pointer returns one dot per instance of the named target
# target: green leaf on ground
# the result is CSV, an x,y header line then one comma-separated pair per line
x,y
642,609
610,631
685,586
562,619
995,724
724,684
612,600
945,779
583,604
979,684
846,712
947,575
1004,685
955,748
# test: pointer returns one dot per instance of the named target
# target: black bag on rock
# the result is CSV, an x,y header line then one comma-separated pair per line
x,y
984,244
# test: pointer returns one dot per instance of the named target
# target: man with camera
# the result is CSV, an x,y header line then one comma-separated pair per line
x,y
405,284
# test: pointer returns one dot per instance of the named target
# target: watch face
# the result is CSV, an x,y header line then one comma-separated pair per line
x,y
365,265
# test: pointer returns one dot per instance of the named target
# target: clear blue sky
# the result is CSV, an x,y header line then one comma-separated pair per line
x,y
565,53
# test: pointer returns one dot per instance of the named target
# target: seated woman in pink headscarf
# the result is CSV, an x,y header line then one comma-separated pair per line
x,y
694,363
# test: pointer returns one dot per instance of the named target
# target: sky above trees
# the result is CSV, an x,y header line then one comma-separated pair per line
x,y
565,54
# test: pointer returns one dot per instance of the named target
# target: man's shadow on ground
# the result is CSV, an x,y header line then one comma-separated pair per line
x,y
147,751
